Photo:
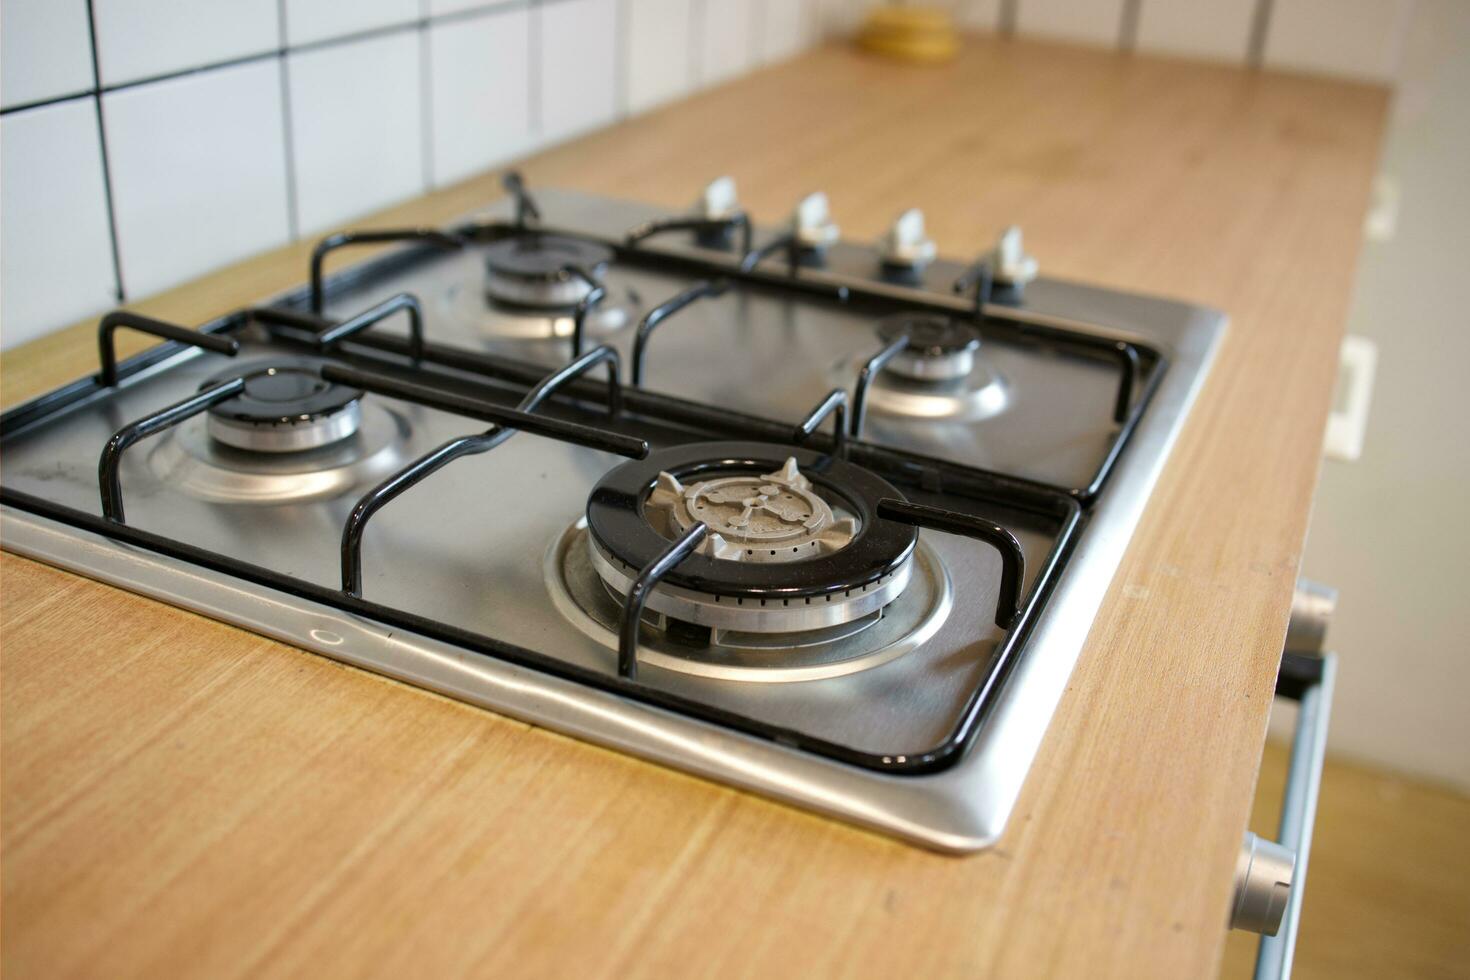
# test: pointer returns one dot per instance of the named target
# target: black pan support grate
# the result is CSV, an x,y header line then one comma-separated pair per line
x,y
422,372
1140,367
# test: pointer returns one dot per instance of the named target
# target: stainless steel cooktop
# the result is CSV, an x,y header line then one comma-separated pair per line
x,y
826,521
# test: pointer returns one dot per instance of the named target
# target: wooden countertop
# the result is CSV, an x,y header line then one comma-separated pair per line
x,y
179,795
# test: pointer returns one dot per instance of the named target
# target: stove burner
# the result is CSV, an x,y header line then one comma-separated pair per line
x,y
787,552
528,271
904,625
775,517
940,348
285,408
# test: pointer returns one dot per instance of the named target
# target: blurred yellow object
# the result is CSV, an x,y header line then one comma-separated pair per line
x,y
924,35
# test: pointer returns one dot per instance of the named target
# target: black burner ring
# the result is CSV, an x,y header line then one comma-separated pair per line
x,y
616,522
285,391
541,258
929,335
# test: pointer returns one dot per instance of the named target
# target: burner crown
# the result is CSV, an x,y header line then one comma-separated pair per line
x,y
530,270
285,407
774,517
939,349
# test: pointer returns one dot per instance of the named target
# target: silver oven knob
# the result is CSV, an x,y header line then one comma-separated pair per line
x,y
719,200
1009,263
812,224
1263,874
1312,606
905,245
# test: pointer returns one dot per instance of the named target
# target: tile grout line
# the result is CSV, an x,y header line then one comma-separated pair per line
x,y
620,59
288,142
1255,52
426,105
1128,25
697,13
1008,17
755,48
121,293
85,93
534,124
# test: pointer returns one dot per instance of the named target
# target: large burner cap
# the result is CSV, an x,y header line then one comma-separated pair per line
x,y
285,407
528,270
771,517
940,348
750,493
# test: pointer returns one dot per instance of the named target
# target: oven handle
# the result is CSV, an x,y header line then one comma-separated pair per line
x,y
1309,680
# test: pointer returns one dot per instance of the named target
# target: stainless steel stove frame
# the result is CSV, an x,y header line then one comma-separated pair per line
x,y
962,806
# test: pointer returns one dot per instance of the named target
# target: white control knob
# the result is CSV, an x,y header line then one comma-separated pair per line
x,y
905,244
812,224
719,200
1010,265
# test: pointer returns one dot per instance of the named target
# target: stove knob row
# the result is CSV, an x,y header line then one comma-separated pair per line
x,y
904,250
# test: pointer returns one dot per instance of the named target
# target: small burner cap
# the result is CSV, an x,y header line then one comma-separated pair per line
x,y
284,394
941,350
930,335
542,257
286,406
527,272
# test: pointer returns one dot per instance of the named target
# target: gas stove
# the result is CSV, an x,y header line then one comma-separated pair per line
x,y
826,521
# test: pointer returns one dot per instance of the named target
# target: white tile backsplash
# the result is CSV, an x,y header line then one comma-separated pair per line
x,y
577,85
45,50
841,17
786,28
321,20
726,38
385,98
356,128
977,15
659,66
1085,21
55,253
479,80
143,38
198,173
1352,38
1215,29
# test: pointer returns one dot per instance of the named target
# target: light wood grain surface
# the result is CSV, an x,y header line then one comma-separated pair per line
x,y
183,797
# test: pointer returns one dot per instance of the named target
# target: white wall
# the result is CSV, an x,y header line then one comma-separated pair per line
x,y
1392,531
